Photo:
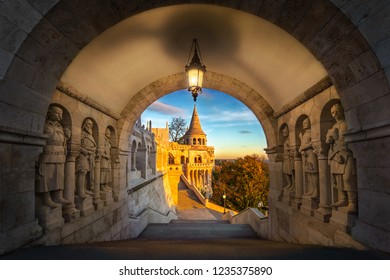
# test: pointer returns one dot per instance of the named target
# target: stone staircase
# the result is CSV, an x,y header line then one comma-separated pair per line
x,y
188,200
197,230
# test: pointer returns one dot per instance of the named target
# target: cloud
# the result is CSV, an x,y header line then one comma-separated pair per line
x,y
162,108
245,132
230,116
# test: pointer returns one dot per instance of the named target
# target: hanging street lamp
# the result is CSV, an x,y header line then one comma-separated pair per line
x,y
195,70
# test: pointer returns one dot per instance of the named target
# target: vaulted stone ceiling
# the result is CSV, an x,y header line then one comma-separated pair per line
x,y
136,52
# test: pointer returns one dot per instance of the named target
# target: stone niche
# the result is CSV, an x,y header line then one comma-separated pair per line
x,y
317,177
79,195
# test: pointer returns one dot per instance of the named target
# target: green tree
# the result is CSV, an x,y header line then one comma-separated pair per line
x,y
177,128
245,182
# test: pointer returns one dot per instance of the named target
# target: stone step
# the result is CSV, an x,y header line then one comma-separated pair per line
x,y
200,222
193,231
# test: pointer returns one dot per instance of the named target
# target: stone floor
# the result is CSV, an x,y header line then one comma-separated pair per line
x,y
219,249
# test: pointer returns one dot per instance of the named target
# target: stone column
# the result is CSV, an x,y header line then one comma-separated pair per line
x,y
299,175
97,202
69,211
116,172
133,159
141,161
153,161
119,170
324,211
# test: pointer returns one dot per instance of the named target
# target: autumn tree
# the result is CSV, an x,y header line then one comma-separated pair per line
x,y
245,182
177,128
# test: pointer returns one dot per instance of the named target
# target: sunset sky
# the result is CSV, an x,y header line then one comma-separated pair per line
x,y
231,127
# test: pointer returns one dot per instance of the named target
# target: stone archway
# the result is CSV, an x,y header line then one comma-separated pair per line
x,y
231,86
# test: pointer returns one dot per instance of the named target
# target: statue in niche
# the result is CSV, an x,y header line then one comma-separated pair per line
x,y
51,166
105,165
85,161
288,161
342,164
310,160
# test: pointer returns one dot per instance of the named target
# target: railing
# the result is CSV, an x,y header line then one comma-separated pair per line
x,y
198,164
139,183
147,216
253,217
219,209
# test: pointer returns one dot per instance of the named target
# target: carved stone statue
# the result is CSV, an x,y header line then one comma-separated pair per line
x,y
342,164
85,161
52,161
288,161
310,160
105,165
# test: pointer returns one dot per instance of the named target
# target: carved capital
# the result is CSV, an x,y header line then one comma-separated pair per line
x,y
73,150
320,150
297,155
71,156
270,150
98,157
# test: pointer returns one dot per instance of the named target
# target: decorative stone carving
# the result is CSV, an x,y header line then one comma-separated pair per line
x,y
309,157
288,161
85,161
105,164
52,161
341,161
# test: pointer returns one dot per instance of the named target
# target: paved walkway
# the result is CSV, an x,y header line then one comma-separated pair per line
x,y
190,208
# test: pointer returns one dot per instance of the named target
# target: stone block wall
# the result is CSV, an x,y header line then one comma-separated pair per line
x,y
106,224
18,224
292,213
154,193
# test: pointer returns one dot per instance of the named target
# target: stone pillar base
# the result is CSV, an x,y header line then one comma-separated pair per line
x,y
107,197
308,206
323,214
296,203
98,203
288,197
70,213
115,195
343,220
49,218
85,206
280,195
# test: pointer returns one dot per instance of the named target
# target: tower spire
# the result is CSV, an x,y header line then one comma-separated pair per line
x,y
195,134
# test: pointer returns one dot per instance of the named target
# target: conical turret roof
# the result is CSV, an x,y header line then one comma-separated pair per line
x,y
195,127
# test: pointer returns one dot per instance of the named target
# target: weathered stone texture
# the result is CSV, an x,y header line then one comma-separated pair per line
x,y
271,10
372,236
17,209
5,61
334,31
21,13
373,206
251,7
319,14
358,95
345,50
72,27
293,13
43,6
11,36
358,12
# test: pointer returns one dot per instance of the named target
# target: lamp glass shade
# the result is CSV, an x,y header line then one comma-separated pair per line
x,y
195,78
